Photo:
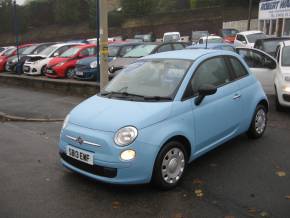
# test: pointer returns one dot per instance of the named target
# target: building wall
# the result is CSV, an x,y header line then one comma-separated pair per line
x,y
241,25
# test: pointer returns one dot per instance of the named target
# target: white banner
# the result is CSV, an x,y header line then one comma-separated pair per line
x,y
274,9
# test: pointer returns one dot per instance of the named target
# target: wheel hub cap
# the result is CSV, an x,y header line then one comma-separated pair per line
x,y
173,165
260,121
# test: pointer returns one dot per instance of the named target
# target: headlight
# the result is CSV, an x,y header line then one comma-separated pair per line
x,y
65,122
60,64
126,136
287,89
94,64
287,78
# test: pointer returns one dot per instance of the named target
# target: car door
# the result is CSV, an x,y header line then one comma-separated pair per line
x,y
217,118
263,66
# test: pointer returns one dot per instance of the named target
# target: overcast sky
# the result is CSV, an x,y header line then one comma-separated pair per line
x,y
20,2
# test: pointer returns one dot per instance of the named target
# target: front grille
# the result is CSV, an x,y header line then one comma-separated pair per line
x,y
95,169
26,68
286,97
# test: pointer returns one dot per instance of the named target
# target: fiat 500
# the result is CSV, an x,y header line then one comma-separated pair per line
x,y
159,114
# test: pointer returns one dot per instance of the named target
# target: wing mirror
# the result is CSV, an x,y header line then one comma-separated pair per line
x,y
271,65
204,91
56,54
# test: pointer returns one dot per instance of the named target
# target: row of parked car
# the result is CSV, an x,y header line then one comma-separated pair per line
x,y
267,57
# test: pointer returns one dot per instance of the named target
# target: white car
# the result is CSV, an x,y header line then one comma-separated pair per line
x,y
282,77
172,37
263,66
36,64
210,39
248,38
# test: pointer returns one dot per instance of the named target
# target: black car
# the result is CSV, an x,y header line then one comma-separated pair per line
x,y
140,51
14,66
269,45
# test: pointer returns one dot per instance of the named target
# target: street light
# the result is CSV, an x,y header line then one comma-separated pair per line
x,y
15,28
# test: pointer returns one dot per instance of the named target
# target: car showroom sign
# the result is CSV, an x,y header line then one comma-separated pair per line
x,y
274,9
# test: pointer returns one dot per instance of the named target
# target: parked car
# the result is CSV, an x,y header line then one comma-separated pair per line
x,y
215,46
171,37
200,99
150,37
228,34
140,51
210,39
263,66
196,35
282,76
11,52
270,45
4,49
15,66
36,64
248,38
63,66
86,69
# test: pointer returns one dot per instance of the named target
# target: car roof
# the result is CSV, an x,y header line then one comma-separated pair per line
x,y
286,43
210,45
170,33
275,39
250,32
86,46
64,44
211,37
186,54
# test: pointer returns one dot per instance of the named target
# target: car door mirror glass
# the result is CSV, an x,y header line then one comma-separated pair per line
x,y
203,91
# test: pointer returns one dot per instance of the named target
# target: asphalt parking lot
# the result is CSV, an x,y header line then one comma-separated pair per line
x,y
242,178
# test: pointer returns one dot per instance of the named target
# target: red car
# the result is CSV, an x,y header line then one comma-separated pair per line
x,y
228,35
63,66
9,53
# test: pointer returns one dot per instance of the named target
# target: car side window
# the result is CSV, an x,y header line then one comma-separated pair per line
x,y
211,72
255,59
125,50
87,52
241,38
164,48
62,49
177,46
239,70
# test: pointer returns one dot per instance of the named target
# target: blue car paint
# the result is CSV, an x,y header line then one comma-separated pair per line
x,y
215,46
214,122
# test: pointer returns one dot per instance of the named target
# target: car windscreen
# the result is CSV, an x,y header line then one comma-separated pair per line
x,y
113,51
171,38
254,37
9,52
140,51
70,52
286,56
150,78
29,50
271,46
229,32
46,52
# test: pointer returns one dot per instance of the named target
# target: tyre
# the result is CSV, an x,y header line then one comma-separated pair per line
x,y
259,122
170,165
70,73
42,71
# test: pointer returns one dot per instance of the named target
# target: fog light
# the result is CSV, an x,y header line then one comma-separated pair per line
x,y
128,155
287,89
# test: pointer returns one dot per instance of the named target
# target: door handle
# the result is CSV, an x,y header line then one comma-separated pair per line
x,y
237,96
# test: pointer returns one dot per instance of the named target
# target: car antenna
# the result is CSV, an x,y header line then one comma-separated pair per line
x,y
206,41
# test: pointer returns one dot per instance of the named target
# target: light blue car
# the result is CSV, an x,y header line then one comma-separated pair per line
x,y
161,113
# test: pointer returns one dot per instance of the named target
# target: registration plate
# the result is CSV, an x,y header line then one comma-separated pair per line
x,y
81,155
78,73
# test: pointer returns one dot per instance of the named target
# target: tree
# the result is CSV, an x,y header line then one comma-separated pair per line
x,y
138,8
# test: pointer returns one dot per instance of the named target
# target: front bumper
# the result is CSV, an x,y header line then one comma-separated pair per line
x,y
108,166
31,69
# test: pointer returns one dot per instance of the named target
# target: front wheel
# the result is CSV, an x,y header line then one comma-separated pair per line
x,y
259,122
70,73
170,165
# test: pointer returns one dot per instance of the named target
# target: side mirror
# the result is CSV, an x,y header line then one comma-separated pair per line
x,y
55,54
204,91
244,42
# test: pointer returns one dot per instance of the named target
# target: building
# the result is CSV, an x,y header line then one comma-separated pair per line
x,y
274,17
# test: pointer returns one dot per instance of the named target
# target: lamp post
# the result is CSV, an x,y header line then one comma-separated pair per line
x,y
102,41
15,28
250,13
